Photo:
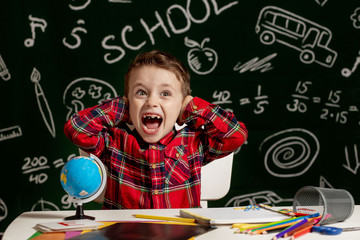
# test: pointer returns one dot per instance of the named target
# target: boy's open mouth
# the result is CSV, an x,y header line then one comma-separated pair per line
x,y
151,122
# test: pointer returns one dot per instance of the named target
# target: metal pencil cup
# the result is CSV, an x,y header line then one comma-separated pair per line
x,y
333,205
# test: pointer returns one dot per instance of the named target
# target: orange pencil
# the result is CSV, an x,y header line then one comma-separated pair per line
x,y
311,222
301,232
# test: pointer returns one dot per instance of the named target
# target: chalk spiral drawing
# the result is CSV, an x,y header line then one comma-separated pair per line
x,y
352,162
3,210
4,72
42,102
86,92
35,23
202,60
263,197
310,39
290,153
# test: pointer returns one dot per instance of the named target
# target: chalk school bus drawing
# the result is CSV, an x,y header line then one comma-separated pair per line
x,y
309,38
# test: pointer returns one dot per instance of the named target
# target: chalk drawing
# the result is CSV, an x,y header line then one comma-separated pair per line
x,y
42,102
67,202
255,64
321,2
120,1
4,72
202,60
355,17
352,162
80,7
346,72
290,153
86,90
263,197
10,132
3,210
310,39
43,205
74,34
35,23
324,183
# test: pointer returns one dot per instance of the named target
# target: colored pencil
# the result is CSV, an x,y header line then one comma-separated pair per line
x,y
264,230
288,229
301,232
174,219
312,221
277,211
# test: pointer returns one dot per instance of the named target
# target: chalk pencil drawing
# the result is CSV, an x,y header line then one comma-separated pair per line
x,y
202,60
42,102
263,197
346,72
309,38
4,72
35,23
289,153
3,210
86,92
255,64
355,17
352,162
74,34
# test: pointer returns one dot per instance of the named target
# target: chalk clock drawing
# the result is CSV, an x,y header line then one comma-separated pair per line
x,y
202,60
263,197
86,92
309,38
289,153
42,102
3,210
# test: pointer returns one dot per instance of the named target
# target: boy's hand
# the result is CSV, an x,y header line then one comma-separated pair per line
x,y
186,101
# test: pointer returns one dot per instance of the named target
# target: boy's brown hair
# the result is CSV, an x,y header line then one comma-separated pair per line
x,y
162,60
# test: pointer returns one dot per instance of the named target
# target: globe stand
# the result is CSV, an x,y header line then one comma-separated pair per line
x,y
79,201
79,214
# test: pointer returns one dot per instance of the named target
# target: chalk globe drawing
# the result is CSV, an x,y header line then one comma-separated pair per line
x,y
290,153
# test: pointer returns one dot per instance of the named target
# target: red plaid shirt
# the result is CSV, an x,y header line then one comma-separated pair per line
x,y
161,175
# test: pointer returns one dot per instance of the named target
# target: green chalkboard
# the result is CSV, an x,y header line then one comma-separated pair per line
x,y
288,69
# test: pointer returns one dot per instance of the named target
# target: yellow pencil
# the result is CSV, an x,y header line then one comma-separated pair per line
x,y
174,219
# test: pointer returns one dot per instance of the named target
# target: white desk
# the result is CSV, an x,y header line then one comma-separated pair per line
x,y
22,227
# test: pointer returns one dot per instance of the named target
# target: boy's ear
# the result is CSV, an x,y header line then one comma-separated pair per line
x,y
126,100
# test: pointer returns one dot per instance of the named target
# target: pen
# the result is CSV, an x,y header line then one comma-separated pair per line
x,y
174,219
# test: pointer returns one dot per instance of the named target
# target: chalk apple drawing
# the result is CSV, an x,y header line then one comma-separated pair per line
x,y
202,60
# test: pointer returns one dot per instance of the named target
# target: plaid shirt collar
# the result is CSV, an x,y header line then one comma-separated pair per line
x,y
164,141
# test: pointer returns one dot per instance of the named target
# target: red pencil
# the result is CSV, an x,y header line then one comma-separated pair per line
x,y
301,232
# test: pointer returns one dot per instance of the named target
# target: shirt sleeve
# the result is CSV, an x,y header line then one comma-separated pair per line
x,y
89,128
222,133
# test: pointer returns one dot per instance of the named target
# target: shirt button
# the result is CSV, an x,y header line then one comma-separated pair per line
x,y
156,192
177,155
153,147
153,166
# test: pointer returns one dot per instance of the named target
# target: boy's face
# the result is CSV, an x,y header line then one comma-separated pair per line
x,y
155,100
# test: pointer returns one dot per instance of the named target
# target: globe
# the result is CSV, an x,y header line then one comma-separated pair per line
x,y
81,177
84,179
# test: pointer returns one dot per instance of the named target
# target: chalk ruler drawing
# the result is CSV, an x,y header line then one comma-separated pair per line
x,y
10,132
35,23
263,197
355,17
4,72
352,162
42,102
310,39
255,64
202,60
290,153
86,90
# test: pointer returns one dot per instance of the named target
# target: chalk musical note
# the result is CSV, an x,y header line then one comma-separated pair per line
x,y
35,23
346,72
4,72
42,102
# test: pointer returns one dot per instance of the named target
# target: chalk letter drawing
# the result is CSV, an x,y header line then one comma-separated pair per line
x,y
347,72
290,153
355,17
42,102
310,39
35,23
86,90
4,72
263,197
81,7
75,35
254,64
356,164
201,60
3,210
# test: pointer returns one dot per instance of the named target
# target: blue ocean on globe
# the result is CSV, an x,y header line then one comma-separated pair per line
x,y
81,177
